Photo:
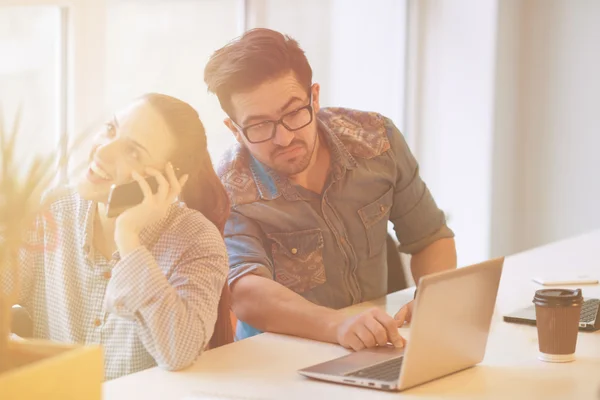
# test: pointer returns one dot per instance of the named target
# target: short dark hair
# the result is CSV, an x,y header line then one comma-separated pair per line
x,y
258,56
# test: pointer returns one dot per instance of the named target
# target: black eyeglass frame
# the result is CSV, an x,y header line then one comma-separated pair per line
x,y
309,107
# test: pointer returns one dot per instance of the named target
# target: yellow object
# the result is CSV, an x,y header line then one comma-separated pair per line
x,y
34,369
52,371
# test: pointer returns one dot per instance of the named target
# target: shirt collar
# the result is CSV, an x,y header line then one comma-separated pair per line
x,y
341,158
272,184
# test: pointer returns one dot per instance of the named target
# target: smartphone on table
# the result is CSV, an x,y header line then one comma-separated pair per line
x,y
127,195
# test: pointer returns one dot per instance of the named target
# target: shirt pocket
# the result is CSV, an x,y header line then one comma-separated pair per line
x,y
298,259
374,217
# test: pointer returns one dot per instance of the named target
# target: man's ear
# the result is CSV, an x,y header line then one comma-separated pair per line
x,y
229,124
316,90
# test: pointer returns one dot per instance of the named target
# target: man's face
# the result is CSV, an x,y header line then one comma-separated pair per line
x,y
288,151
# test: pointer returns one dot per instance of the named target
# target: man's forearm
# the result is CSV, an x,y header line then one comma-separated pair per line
x,y
271,307
438,256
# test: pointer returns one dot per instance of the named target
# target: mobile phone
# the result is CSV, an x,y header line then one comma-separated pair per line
x,y
127,195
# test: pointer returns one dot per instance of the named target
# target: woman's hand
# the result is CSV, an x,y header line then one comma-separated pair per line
x,y
154,207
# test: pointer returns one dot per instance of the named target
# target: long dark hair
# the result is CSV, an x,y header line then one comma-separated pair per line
x,y
203,191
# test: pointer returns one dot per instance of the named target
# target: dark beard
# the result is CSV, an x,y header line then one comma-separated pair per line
x,y
297,165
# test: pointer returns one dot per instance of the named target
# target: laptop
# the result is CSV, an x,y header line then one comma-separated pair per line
x,y
448,333
589,317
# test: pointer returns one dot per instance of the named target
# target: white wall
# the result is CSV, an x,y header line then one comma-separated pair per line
x,y
506,116
453,112
560,119
308,22
505,211
551,118
368,56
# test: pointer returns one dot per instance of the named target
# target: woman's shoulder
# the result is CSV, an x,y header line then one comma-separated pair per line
x,y
193,226
64,197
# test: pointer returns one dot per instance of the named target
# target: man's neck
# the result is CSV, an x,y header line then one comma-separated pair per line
x,y
315,175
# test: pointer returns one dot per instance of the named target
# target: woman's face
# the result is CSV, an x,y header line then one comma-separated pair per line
x,y
134,139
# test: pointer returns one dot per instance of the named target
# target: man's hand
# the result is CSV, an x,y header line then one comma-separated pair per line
x,y
405,314
368,329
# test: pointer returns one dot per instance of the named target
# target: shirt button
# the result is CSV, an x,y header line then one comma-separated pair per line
x,y
294,250
119,306
97,322
107,274
343,240
382,208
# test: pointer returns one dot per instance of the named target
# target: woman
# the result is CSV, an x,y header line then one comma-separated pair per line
x,y
145,285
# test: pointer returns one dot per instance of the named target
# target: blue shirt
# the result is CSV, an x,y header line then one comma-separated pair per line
x,y
330,247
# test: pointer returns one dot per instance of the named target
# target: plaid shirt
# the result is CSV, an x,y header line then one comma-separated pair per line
x,y
157,305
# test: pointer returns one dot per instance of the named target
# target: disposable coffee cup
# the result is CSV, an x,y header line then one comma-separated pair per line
x,y
557,318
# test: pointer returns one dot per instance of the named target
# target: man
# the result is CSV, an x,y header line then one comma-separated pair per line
x,y
312,191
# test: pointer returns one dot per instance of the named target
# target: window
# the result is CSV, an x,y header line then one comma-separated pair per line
x,y
163,46
31,76
72,67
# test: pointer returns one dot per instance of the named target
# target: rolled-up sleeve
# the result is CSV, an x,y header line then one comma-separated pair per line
x,y
175,315
417,219
245,246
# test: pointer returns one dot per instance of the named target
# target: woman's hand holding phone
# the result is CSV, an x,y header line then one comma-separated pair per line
x,y
154,207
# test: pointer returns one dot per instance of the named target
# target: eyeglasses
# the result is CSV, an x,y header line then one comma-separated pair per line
x,y
266,130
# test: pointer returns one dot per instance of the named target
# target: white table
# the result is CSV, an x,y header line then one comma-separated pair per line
x,y
264,367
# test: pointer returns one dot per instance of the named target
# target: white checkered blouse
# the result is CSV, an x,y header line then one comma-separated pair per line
x,y
156,306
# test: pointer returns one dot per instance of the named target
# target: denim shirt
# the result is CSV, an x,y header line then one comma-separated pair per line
x,y
330,248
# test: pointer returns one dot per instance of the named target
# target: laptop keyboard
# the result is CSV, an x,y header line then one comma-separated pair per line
x,y
589,310
386,371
